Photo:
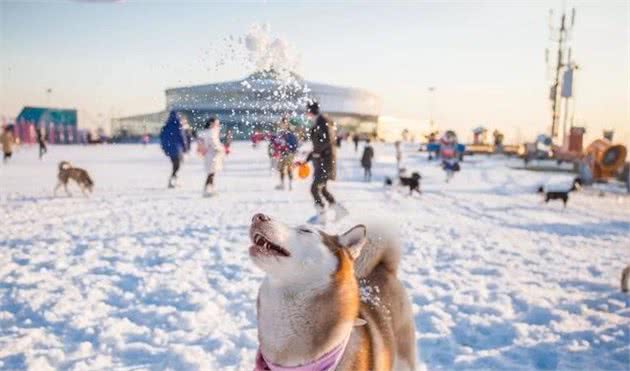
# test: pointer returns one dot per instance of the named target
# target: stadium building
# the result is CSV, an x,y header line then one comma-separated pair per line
x,y
256,103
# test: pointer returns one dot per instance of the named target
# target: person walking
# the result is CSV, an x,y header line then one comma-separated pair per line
x,y
271,151
398,155
174,144
324,164
449,155
355,139
286,143
227,141
41,140
366,161
8,141
209,145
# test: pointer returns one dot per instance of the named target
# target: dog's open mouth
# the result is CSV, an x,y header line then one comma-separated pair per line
x,y
262,246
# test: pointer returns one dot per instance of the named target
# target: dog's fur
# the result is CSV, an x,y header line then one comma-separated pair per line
x,y
561,195
321,289
413,182
625,275
80,176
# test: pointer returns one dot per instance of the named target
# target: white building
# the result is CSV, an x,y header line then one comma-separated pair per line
x,y
256,102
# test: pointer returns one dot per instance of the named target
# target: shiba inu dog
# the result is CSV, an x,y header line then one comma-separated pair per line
x,y
67,172
330,301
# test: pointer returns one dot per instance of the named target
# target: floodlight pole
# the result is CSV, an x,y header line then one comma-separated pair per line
x,y
555,94
555,107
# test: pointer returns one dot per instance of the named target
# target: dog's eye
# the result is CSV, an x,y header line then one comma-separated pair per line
x,y
305,230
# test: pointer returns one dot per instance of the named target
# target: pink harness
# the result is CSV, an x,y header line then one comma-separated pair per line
x,y
327,362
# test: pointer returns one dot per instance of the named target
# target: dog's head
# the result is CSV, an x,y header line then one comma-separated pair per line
x,y
299,254
416,176
64,165
541,189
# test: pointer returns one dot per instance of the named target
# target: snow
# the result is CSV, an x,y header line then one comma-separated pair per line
x,y
141,277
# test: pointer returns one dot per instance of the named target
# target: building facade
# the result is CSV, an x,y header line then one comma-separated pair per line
x,y
56,125
256,103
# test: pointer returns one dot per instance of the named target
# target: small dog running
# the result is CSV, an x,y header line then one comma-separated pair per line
x,y
80,176
561,195
413,182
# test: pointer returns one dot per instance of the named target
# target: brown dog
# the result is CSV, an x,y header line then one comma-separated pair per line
x,y
330,302
67,172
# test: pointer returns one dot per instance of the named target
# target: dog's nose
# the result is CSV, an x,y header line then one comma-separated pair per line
x,y
260,218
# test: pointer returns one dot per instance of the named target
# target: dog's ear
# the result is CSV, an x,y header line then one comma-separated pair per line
x,y
353,240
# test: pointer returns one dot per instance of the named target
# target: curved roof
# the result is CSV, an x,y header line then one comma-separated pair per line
x,y
274,89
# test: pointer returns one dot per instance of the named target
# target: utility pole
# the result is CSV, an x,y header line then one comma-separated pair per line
x,y
555,94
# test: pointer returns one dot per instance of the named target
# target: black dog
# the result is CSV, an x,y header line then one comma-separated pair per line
x,y
561,195
412,182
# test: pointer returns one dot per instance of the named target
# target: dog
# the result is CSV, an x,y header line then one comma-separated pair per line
x,y
413,182
561,195
330,302
80,176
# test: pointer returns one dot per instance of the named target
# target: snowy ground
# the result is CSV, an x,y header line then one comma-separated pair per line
x,y
141,277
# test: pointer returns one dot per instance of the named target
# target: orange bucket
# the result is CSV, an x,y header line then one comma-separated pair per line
x,y
304,171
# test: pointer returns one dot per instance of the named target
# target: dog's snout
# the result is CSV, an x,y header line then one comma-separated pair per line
x,y
260,218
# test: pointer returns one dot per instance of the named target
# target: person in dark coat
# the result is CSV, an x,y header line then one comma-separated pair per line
x,y
322,134
366,161
40,133
355,139
174,144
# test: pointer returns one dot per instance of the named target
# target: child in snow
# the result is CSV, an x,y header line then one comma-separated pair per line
x,y
8,141
227,142
285,144
366,161
449,155
209,145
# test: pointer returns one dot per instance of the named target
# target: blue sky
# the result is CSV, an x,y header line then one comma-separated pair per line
x,y
485,58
